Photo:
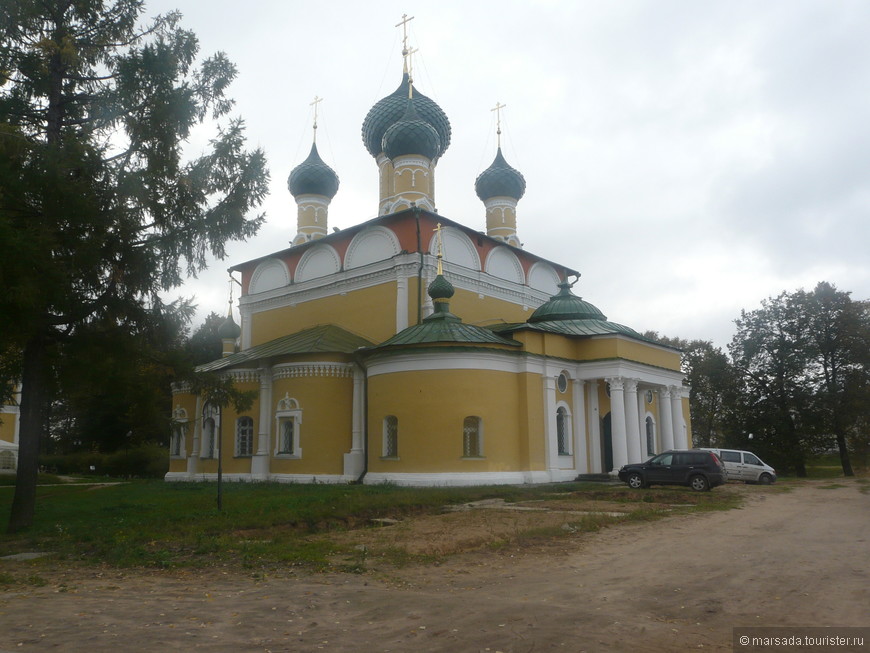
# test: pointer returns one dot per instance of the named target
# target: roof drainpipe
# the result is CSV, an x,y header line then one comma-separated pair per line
x,y
420,267
365,424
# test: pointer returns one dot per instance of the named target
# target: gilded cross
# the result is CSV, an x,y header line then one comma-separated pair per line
x,y
404,23
317,100
497,108
440,246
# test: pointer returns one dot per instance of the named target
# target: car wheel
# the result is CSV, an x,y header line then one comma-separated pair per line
x,y
699,484
765,479
635,481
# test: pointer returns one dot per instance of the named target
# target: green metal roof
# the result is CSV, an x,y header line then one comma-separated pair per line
x,y
445,327
322,338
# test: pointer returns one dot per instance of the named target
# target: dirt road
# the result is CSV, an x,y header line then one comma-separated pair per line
x,y
797,558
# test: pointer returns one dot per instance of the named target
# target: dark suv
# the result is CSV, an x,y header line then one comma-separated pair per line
x,y
700,470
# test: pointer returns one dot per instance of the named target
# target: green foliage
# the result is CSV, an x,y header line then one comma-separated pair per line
x,y
143,461
161,524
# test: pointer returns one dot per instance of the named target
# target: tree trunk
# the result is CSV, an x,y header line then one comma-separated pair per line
x,y
844,455
31,425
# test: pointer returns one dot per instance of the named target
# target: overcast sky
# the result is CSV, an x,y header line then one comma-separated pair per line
x,y
689,158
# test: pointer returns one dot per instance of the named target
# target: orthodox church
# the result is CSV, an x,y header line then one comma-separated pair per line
x,y
417,350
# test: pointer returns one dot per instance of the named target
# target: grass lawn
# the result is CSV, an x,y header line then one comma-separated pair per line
x,y
154,523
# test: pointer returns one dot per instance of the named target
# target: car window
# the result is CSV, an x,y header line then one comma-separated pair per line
x,y
664,459
730,456
751,459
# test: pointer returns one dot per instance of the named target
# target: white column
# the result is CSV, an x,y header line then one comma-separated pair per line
x,y
683,432
260,462
677,417
550,425
596,458
617,424
667,429
578,423
632,432
641,422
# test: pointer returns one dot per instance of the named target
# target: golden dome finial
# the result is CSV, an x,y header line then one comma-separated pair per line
x,y
440,246
317,100
404,24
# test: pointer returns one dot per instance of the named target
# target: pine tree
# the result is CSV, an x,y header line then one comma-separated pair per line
x,y
100,210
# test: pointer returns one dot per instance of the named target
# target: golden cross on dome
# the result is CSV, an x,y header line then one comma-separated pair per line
x,y
230,308
497,108
404,23
317,100
440,246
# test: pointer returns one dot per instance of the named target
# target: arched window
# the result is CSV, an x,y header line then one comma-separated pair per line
x,y
210,431
472,437
563,431
650,436
244,436
289,421
391,436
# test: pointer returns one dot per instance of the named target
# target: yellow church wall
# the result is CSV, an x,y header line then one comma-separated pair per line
x,y
7,426
531,390
340,310
430,423
325,433
485,310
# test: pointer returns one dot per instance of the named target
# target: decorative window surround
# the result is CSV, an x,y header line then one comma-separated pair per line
x,y
288,421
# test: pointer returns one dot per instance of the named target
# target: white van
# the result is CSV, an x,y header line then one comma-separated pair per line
x,y
744,466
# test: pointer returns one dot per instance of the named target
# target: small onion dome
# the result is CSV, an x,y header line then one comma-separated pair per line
x,y
313,177
565,306
391,109
229,330
411,135
500,180
440,288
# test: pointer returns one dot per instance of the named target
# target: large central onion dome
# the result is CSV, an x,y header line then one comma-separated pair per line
x,y
411,135
313,177
565,306
391,109
500,180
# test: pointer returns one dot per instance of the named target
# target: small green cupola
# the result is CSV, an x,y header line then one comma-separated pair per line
x,y
565,305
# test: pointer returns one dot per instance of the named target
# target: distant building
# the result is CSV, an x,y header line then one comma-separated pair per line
x,y
376,358
9,425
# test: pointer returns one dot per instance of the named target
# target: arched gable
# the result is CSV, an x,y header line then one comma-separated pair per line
x,y
458,248
543,277
504,264
371,245
270,274
319,261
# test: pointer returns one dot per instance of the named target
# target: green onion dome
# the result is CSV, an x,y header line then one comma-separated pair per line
x,y
565,306
500,180
391,109
313,177
411,135
229,330
440,288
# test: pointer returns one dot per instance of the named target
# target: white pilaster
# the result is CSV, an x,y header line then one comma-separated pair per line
x,y
581,454
401,302
666,418
354,460
260,461
550,424
617,424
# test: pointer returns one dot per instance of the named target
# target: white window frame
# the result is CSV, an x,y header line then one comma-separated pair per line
x,y
210,441
288,411
249,426
478,436
567,429
386,445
